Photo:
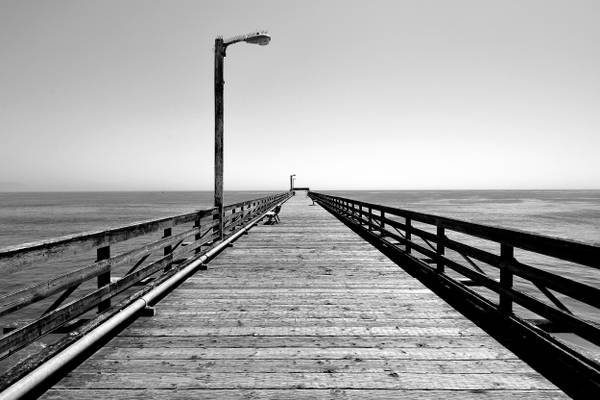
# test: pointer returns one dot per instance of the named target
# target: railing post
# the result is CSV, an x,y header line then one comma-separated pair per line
x,y
440,249
198,236
370,218
407,223
166,233
216,226
168,249
103,253
382,222
506,278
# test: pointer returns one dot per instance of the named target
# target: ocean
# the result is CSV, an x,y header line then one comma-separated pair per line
x,y
568,214
31,216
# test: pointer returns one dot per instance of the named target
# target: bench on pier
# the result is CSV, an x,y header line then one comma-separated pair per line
x,y
273,216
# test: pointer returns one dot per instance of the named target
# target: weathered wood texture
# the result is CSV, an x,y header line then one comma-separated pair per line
x,y
303,309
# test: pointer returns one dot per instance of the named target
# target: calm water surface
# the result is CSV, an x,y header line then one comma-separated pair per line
x,y
27,217
568,214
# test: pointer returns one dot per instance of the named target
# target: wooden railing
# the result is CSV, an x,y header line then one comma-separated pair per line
x,y
156,257
479,263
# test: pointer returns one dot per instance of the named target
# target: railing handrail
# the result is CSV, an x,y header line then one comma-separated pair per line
x,y
173,249
565,249
580,291
449,266
15,256
246,202
25,253
505,262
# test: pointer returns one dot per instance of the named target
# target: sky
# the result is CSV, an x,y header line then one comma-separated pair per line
x,y
375,95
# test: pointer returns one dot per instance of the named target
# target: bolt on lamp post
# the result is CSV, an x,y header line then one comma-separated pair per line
x,y
262,39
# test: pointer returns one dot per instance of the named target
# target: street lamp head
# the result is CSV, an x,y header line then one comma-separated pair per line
x,y
260,38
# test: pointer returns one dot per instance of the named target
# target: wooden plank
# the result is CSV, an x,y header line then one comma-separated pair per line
x,y
177,322
302,394
307,291
425,306
293,353
293,315
350,365
136,330
279,380
124,341
290,302
324,282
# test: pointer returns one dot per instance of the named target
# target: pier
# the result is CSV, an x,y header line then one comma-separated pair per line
x,y
338,300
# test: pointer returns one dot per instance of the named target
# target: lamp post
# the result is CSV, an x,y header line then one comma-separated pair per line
x,y
262,39
292,182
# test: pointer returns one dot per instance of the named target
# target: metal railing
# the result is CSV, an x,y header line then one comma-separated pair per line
x,y
475,263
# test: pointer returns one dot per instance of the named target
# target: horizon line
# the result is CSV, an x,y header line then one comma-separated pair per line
x,y
285,190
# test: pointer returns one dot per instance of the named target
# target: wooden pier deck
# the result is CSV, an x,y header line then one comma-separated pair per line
x,y
303,309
